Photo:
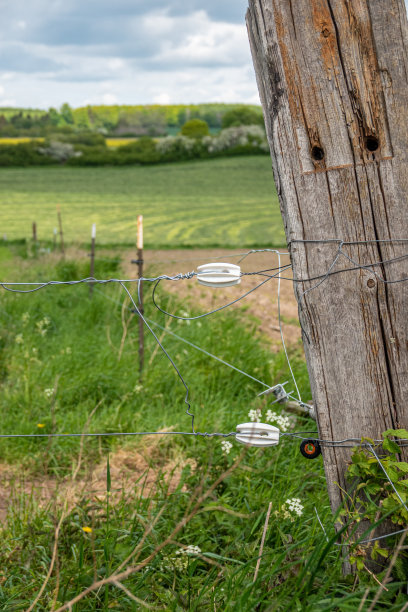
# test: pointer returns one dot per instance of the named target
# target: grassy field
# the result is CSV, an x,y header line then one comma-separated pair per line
x,y
227,202
69,364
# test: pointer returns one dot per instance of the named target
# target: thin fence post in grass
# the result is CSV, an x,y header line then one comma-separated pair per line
x,y
34,232
139,262
333,81
92,263
61,233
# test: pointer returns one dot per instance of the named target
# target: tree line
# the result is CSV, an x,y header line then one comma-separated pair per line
x,y
120,120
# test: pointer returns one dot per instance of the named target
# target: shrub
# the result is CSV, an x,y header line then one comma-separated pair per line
x,y
237,140
177,148
242,116
59,151
90,139
92,156
143,151
23,154
195,128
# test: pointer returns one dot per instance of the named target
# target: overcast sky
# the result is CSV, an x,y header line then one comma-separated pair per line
x,y
124,51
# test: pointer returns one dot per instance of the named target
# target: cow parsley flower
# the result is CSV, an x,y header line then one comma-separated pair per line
x,y
291,509
25,318
283,422
295,506
255,415
226,447
179,560
42,326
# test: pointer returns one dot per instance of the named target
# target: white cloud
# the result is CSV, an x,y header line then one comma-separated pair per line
x,y
109,98
196,40
169,51
115,63
162,98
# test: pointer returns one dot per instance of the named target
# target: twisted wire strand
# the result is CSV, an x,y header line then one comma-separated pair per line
x,y
206,314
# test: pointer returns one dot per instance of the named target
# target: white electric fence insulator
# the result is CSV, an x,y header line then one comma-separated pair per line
x,y
257,434
219,274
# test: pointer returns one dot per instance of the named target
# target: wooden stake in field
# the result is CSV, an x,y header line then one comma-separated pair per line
x,y
92,262
34,232
60,230
140,274
333,81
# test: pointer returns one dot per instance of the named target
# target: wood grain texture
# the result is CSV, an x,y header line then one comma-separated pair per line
x,y
333,81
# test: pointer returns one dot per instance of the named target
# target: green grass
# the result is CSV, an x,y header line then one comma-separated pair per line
x,y
299,569
226,202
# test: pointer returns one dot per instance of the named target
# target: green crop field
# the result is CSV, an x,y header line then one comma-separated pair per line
x,y
224,202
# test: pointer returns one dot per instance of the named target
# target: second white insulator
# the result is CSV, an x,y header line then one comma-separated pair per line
x,y
257,434
219,274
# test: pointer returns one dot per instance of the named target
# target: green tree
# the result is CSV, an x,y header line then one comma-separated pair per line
x,y
66,114
242,115
195,128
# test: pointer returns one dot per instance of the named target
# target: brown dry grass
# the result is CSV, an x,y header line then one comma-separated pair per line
x,y
133,471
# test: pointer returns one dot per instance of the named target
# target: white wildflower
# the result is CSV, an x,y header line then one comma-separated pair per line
x,y
190,550
48,392
291,509
179,560
138,388
25,318
42,326
19,339
226,447
295,506
283,422
255,415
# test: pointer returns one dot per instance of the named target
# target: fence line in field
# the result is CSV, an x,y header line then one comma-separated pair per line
x,y
271,273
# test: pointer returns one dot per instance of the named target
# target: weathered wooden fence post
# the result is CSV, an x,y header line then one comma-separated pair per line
x,y
92,255
61,230
333,80
139,262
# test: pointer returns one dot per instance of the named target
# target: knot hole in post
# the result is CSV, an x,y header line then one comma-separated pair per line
x,y
317,153
372,143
